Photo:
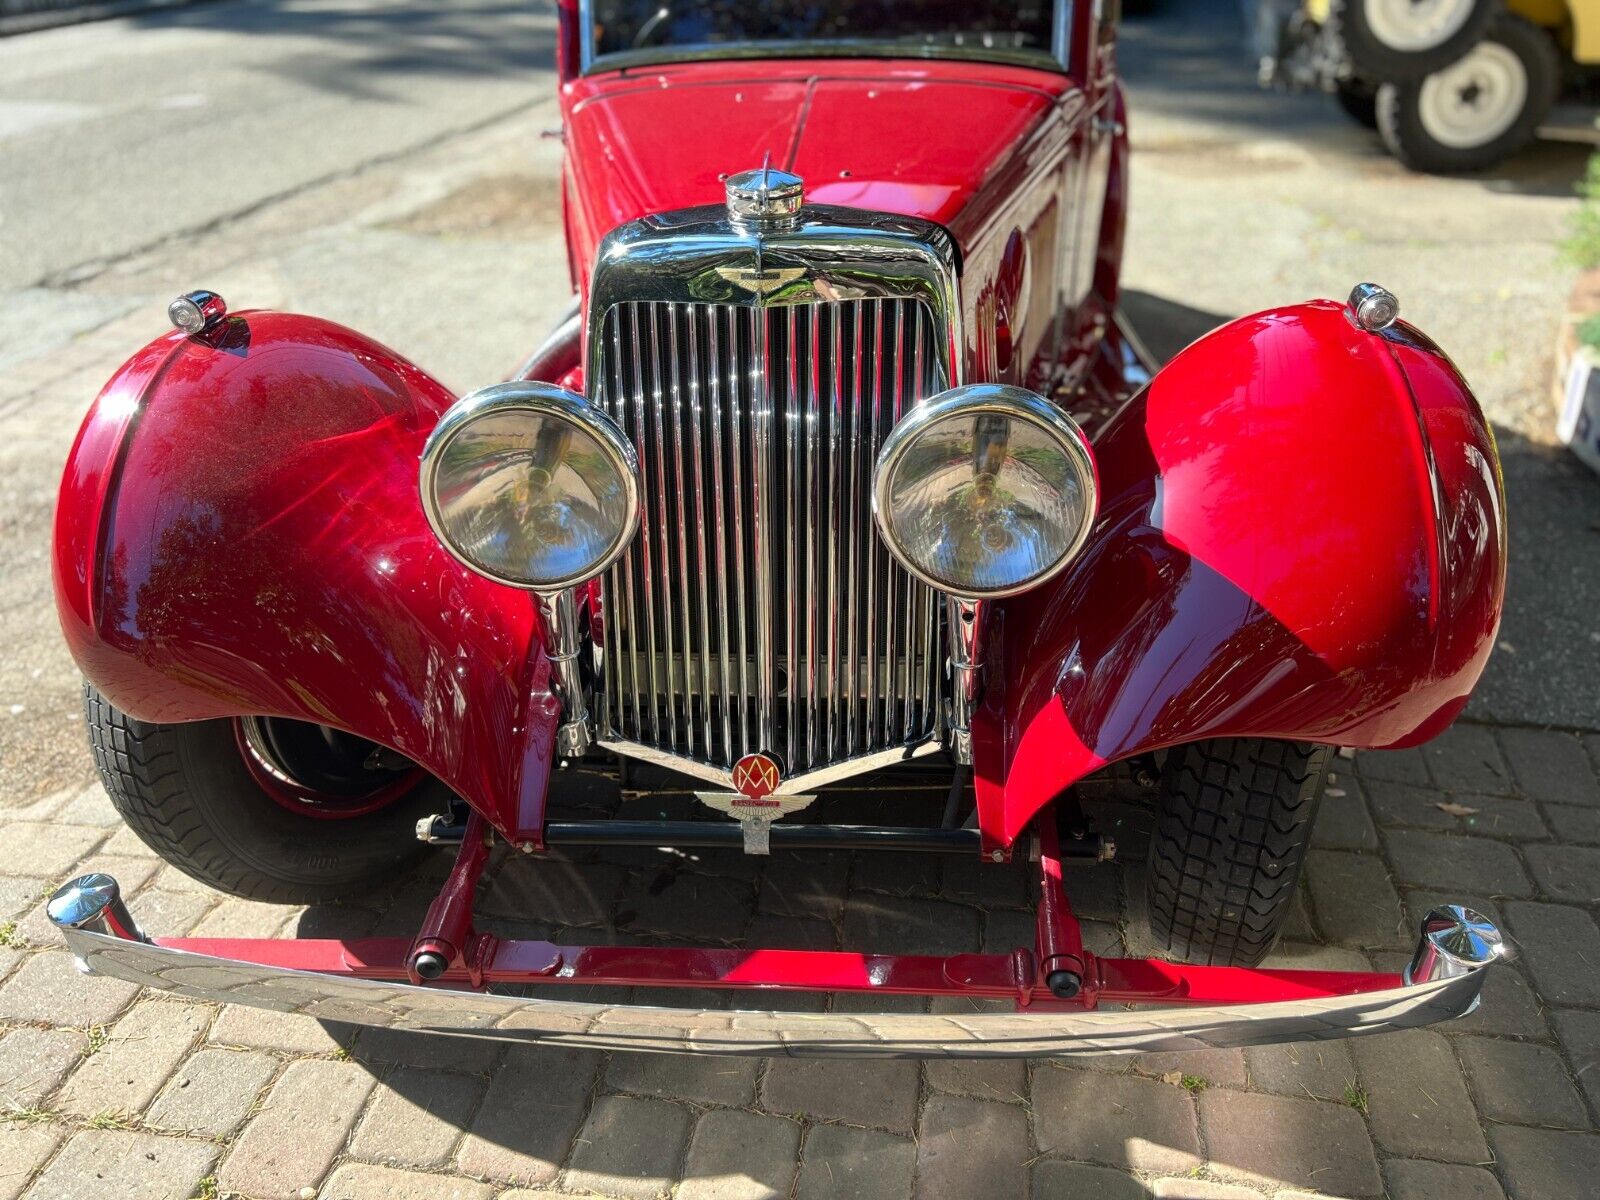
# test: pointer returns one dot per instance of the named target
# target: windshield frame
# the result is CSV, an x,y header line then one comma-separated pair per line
x,y
1056,59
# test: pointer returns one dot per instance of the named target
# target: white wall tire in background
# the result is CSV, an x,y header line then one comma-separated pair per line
x,y
1477,111
1413,26
1475,101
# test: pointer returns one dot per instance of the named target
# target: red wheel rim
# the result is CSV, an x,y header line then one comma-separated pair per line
x,y
281,757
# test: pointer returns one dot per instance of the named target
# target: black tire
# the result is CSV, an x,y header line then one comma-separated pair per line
x,y
185,790
1232,826
1415,137
1375,53
1359,101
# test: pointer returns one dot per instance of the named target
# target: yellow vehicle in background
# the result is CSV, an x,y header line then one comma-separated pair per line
x,y
1450,85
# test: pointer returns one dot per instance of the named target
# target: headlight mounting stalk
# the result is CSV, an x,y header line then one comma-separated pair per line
x,y
965,621
563,645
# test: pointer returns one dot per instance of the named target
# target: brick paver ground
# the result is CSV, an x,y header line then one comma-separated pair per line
x,y
109,1093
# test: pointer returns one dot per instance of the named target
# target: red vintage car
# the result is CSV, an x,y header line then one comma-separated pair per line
x,y
843,461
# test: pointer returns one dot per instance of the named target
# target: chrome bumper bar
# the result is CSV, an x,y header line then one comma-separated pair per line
x,y
1447,975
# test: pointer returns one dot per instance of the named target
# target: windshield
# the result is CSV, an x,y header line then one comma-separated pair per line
x,y
652,30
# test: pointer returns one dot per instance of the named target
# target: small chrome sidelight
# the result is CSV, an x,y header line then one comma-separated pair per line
x,y
196,312
1373,308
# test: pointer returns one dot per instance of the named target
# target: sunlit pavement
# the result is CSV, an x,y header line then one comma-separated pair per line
x,y
385,168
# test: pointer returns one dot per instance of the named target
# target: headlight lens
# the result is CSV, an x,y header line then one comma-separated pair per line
x,y
985,490
530,485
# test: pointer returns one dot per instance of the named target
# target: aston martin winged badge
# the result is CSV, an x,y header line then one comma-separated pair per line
x,y
762,283
756,804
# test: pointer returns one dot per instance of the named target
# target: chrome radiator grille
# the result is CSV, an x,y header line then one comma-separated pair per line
x,y
757,608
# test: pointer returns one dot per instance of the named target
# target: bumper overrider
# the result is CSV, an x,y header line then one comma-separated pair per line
x,y
365,982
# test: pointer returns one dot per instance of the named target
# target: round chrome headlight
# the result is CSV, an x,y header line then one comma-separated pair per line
x,y
985,490
531,485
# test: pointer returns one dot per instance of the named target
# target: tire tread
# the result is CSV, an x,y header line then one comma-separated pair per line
x,y
142,765
1231,833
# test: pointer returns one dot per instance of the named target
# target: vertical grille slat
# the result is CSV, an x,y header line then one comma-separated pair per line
x,y
736,409
662,552
719,541
874,551
813,469
681,491
692,317
646,535
765,487
757,610
792,434
836,419
911,588
858,504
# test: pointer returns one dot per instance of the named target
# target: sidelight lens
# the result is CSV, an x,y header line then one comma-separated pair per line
x,y
985,490
530,485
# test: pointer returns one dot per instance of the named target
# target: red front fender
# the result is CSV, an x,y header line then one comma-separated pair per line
x,y
1301,536
239,532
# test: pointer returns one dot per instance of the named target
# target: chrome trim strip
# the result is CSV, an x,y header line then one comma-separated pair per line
x,y
903,1035
797,785
1061,46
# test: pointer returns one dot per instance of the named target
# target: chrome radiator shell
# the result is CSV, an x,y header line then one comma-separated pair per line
x,y
758,371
